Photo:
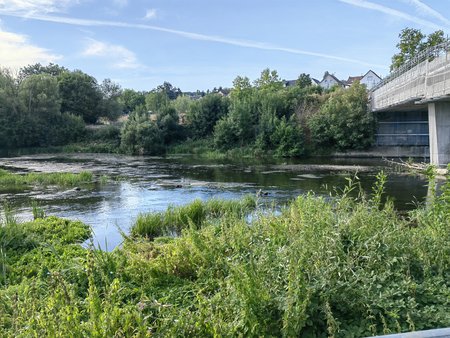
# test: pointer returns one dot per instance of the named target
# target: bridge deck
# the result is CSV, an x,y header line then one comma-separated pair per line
x,y
424,82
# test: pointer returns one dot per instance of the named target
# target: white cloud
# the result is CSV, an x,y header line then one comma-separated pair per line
x,y
35,6
16,51
150,14
194,36
425,10
118,56
391,12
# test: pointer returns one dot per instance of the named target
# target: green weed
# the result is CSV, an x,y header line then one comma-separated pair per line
x,y
175,219
340,267
63,179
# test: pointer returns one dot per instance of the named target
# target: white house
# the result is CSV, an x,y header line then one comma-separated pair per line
x,y
370,79
329,80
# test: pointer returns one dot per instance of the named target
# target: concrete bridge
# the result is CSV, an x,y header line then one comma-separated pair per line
x,y
421,85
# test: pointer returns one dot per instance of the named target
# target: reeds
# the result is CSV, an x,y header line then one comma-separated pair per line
x,y
62,179
175,219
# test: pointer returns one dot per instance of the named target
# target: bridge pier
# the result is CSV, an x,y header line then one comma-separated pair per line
x,y
439,128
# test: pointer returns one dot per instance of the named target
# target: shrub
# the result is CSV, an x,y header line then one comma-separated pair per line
x,y
140,136
344,121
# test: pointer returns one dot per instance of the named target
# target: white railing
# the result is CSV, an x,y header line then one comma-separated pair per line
x,y
427,54
416,81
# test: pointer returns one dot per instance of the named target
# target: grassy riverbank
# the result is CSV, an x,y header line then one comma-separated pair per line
x,y
62,179
346,267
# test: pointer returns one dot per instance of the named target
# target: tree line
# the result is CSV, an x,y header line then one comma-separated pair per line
x,y
262,116
50,105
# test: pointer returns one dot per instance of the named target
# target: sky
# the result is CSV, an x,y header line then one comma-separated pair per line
x,y
202,44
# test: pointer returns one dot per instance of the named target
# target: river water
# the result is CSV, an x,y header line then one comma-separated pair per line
x,y
143,184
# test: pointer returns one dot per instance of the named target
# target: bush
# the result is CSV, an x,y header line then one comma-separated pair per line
x,y
344,121
287,138
140,136
226,134
204,114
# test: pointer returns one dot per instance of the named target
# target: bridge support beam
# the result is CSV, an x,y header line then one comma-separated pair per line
x,y
439,128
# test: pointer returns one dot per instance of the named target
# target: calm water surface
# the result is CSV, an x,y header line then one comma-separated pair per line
x,y
143,184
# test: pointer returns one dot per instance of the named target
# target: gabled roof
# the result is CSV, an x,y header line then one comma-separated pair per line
x,y
290,83
332,76
370,70
352,79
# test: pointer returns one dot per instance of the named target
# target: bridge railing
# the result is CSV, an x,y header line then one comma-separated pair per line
x,y
427,54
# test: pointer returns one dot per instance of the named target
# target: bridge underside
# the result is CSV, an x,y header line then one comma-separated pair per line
x,y
422,84
403,129
417,124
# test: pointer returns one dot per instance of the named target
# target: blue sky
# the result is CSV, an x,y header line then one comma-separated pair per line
x,y
201,44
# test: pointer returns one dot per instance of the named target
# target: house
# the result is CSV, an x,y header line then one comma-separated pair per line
x,y
370,79
329,80
290,83
351,80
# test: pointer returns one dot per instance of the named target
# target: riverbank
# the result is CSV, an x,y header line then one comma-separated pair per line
x,y
346,267
126,186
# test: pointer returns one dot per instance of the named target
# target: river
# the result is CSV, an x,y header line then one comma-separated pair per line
x,y
143,184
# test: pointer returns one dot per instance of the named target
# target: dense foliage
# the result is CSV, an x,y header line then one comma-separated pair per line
x,y
139,136
345,267
49,105
30,113
344,121
412,42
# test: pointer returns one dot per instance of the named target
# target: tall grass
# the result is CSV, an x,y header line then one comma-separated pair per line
x,y
347,267
63,179
175,219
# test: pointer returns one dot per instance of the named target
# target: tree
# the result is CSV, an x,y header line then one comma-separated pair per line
x,y
80,95
182,104
42,123
30,113
304,80
36,69
131,99
156,101
269,80
435,38
171,91
40,95
10,110
226,134
167,122
241,88
205,113
287,138
140,136
110,105
412,42
344,121
40,104
238,127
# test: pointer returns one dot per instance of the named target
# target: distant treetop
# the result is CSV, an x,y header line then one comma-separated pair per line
x,y
412,42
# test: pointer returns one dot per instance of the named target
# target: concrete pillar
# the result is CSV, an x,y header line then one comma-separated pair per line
x,y
439,128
